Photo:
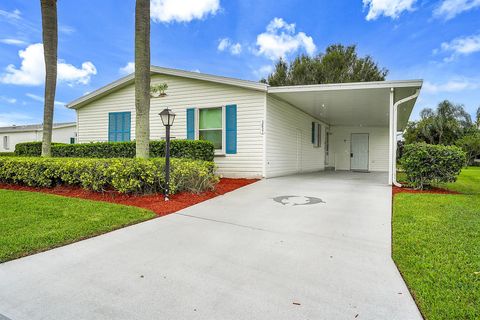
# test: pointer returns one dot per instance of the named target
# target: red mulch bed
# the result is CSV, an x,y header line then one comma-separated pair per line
x,y
396,190
153,202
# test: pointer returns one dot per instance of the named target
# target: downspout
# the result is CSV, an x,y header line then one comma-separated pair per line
x,y
395,115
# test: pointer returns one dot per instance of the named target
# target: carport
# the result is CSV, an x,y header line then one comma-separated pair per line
x,y
362,120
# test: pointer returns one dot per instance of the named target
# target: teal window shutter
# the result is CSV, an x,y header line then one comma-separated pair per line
x,y
231,129
191,123
119,124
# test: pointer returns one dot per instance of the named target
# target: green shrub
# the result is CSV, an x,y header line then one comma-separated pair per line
x,y
426,164
31,149
7,154
190,149
139,176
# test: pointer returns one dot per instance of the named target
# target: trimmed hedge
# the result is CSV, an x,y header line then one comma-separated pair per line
x,y
31,149
7,154
139,176
427,164
190,149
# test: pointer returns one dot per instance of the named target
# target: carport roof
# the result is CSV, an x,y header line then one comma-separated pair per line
x,y
351,104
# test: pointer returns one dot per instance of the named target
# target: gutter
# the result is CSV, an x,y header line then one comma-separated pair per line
x,y
395,115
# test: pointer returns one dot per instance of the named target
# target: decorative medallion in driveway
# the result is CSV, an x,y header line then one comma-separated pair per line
x,y
238,256
297,200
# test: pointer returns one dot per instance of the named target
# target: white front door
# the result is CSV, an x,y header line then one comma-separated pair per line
x,y
359,152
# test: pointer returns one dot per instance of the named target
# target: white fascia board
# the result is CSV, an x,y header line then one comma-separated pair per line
x,y
348,86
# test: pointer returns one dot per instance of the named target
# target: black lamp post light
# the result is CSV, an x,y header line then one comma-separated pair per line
x,y
167,117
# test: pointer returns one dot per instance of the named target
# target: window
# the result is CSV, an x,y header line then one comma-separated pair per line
x,y
316,134
6,143
210,126
119,126
72,140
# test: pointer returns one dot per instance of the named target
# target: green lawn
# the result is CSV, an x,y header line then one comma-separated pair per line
x,y
468,181
32,222
436,246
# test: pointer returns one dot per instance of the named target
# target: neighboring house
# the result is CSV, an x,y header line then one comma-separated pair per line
x,y
10,136
258,130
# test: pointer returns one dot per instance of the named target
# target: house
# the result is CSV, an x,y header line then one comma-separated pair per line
x,y
259,130
10,136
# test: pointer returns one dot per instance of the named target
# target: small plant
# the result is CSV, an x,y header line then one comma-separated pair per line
x,y
158,90
426,164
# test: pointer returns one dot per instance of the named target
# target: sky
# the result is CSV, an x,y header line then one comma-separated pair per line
x,y
437,41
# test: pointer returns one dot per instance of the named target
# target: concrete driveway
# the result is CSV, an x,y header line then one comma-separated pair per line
x,y
238,256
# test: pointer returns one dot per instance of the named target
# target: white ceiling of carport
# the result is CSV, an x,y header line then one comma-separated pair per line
x,y
353,104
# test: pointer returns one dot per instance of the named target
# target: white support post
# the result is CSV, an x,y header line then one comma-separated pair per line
x,y
391,137
394,136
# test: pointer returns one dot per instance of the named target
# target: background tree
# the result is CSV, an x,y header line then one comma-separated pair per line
x,y
477,121
142,77
50,44
337,65
470,143
445,125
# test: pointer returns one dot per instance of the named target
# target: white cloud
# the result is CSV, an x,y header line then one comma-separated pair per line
x,y
451,86
387,8
263,71
14,15
32,69
182,10
461,46
66,29
128,68
280,39
15,42
11,118
8,100
41,99
227,44
236,48
223,44
448,9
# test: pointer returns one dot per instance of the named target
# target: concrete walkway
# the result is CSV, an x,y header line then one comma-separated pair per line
x,y
238,256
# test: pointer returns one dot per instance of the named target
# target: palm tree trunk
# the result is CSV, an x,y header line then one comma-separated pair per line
x,y
142,77
50,44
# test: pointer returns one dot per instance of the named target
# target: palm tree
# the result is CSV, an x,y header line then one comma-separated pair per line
x,y
478,118
50,44
142,77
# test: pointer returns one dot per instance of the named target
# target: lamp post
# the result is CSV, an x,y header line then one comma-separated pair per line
x,y
167,117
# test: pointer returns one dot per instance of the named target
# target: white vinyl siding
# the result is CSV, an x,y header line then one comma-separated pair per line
x,y
289,147
183,93
377,152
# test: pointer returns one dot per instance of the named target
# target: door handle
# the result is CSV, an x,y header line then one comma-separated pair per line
x,y
351,154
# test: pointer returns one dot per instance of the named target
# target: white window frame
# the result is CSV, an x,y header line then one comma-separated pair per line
x,y
6,142
218,152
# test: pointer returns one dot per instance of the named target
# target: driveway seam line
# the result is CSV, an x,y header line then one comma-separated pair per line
x,y
225,222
